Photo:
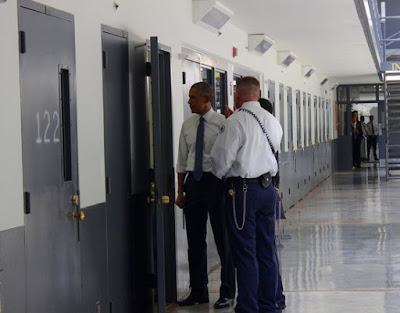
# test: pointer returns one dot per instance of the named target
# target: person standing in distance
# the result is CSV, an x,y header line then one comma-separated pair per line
x,y
245,156
356,138
201,193
372,130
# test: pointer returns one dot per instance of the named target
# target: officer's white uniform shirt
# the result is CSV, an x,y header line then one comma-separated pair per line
x,y
187,141
242,149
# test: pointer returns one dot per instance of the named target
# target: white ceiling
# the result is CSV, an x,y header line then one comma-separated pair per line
x,y
326,34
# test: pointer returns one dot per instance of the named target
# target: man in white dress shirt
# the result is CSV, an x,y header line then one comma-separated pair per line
x,y
245,157
372,129
201,193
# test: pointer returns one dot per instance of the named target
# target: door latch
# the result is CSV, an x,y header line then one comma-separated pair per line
x,y
75,200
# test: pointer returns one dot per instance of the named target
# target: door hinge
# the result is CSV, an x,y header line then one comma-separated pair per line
x,y
184,78
27,202
148,69
104,59
22,42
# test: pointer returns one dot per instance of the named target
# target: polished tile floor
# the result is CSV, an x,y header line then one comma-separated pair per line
x,y
340,248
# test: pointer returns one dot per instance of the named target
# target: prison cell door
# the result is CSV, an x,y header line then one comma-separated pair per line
x,y
50,171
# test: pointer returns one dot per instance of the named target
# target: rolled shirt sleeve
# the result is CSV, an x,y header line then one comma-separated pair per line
x,y
183,153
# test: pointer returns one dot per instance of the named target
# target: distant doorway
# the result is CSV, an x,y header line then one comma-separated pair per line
x,y
365,110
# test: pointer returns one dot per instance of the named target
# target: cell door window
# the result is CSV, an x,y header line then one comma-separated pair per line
x,y
208,77
271,95
315,119
321,119
290,117
298,118
329,133
282,114
236,79
309,140
304,108
221,98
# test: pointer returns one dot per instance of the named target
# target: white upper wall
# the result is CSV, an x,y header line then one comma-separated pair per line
x,y
11,208
171,21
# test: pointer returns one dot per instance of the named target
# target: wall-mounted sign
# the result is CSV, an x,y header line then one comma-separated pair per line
x,y
390,66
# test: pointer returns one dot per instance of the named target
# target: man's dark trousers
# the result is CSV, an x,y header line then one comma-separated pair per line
x,y
371,142
202,198
254,248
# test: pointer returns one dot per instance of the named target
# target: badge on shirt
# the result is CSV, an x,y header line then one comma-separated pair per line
x,y
222,129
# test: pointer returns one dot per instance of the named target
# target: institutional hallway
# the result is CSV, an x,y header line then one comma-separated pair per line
x,y
343,254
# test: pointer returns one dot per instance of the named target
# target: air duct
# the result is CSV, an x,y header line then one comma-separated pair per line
x,y
210,14
259,44
285,58
324,81
307,70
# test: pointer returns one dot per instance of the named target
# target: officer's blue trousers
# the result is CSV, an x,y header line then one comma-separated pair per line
x,y
254,247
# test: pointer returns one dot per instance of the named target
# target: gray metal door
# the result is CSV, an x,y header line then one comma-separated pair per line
x,y
271,95
117,169
159,197
50,172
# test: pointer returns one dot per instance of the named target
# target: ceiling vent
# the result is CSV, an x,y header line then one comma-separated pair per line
x,y
308,70
210,14
259,44
285,58
324,81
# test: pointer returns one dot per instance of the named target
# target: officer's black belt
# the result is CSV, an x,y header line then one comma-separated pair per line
x,y
240,180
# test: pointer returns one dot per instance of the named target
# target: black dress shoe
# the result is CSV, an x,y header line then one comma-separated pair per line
x,y
193,299
223,303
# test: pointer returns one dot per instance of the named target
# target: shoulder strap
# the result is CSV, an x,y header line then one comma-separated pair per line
x,y
262,127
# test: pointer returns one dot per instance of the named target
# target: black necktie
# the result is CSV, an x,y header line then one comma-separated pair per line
x,y
198,161
373,133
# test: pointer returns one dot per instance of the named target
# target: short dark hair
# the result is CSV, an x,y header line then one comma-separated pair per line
x,y
266,104
248,80
204,88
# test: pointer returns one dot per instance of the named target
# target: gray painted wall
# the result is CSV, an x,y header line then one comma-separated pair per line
x,y
12,270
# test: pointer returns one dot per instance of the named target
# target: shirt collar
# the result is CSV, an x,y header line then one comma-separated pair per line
x,y
208,115
251,104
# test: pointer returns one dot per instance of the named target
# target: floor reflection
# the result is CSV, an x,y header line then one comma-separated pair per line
x,y
343,254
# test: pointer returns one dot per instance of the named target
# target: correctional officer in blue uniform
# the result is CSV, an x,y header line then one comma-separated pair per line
x,y
243,155
200,194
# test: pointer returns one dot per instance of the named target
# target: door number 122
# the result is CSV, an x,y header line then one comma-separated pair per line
x,y
48,121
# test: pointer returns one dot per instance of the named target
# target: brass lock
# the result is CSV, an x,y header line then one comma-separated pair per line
x,y
75,200
165,199
78,215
